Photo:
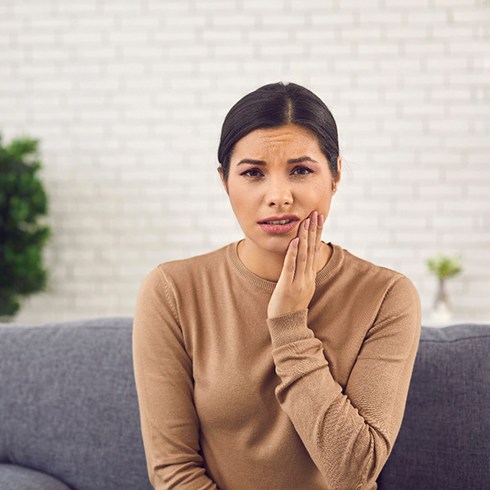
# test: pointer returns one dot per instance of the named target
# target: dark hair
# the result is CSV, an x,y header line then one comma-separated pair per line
x,y
273,105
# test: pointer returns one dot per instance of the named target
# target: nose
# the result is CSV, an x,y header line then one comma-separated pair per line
x,y
279,192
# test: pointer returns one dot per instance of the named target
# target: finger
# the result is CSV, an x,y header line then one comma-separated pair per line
x,y
321,221
303,248
289,266
312,237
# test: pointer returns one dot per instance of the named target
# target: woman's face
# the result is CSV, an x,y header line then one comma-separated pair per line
x,y
293,179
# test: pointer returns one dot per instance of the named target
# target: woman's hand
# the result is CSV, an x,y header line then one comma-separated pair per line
x,y
296,284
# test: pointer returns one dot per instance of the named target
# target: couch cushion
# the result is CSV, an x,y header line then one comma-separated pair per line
x,y
443,441
14,477
68,403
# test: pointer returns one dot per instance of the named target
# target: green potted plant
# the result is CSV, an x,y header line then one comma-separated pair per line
x,y
443,267
22,201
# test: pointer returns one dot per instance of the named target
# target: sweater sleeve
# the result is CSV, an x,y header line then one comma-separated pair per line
x,y
164,384
349,433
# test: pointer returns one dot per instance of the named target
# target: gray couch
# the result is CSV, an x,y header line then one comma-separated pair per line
x,y
69,414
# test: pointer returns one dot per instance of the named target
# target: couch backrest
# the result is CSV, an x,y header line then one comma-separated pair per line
x,y
68,407
68,404
444,439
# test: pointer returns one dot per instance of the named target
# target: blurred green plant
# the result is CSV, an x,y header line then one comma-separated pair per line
x,y
443,266
22,201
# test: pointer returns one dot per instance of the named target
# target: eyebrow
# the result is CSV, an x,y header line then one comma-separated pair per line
x,y
304,158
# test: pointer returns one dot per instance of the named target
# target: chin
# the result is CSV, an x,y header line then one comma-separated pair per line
x,y
277,244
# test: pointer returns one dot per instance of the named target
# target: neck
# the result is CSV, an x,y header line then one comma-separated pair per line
x,y
268,265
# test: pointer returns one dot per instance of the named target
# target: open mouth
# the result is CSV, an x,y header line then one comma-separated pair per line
x,y
279,227
281,222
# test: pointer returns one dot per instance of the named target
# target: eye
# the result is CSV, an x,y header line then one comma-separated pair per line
x,y
309,171
247,173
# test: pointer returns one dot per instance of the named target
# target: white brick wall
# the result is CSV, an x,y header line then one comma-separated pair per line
x,y
128,99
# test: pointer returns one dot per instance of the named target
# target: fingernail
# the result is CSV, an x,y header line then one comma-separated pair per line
x,y
315,217
307,223
320,220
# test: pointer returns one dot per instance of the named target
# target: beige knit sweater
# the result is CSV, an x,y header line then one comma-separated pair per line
x,y
231,399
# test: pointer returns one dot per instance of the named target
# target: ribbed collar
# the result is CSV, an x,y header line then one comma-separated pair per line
x,y
333,264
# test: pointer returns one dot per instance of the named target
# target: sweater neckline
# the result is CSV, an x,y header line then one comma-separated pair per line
x,y
332,265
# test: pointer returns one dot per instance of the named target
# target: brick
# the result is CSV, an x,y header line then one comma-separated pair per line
x,y
424,48
213,5
81,37
102,53
464,205
471,16
281,49
37,39
303,6
440,189
130,9
235,20
138,37
31,8
472,110
432,18
331,50
460,223
304,35
446,63
46,55
453,31
420,109
468,79
467,46
407,32
232,36
452,94
258,6
376,49
187,20
283,21
333,19
381,17
450,125
412,6
92,22
356,65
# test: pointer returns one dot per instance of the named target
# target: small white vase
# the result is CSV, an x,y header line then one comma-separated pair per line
x,y
441,310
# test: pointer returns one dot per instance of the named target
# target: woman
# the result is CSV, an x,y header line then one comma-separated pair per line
x,y
278,361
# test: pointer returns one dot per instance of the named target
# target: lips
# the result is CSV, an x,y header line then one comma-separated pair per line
x,y
289,217
289,223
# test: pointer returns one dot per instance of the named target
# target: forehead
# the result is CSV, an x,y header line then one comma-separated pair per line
x,y
290,137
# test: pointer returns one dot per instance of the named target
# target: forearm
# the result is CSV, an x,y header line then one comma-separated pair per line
x,y
183,476
349,433
345,446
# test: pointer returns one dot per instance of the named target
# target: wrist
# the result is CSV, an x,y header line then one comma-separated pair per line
x,y
289,327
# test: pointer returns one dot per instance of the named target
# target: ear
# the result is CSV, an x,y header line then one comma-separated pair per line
x,y
336,181
339,170
223,182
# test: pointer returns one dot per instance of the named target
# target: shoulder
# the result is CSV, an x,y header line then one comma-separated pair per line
x,y
357,266
369,275
196,263
184,281
389,294
189,272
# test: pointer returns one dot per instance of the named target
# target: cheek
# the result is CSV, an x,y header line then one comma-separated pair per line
x,y
241,200
321,194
